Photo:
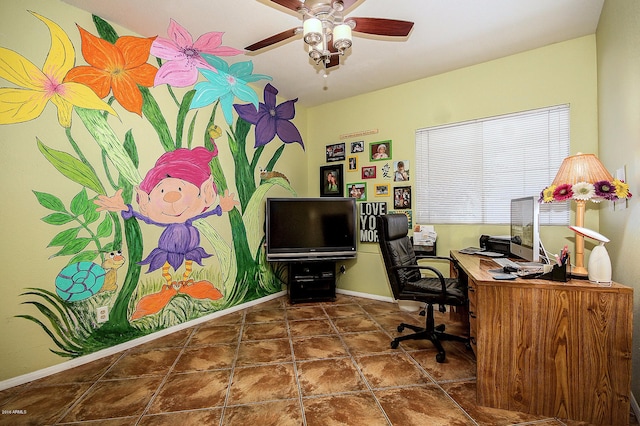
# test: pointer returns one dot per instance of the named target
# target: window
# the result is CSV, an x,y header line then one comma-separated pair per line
x,y
466,173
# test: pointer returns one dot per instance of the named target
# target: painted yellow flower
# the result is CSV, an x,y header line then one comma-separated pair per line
x,y
38,87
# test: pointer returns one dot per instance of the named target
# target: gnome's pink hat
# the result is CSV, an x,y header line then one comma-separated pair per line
x,y
191,165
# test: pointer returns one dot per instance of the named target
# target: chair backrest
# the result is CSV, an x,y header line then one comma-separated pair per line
x,y
397,250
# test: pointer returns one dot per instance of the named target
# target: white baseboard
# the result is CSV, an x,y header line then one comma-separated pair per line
x,y
366,295
76,362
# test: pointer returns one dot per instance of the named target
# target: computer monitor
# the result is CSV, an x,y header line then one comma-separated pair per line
x,y
525,227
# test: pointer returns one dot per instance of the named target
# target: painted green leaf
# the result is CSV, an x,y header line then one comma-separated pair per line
x,y
57,218
90,213
105,30
49,201
104,135
151,110
109,247
85,256
79,203
275,157
222,249
51,335
72,168
74,247
64,237
57,324
190,133
65,312
105,227
182,115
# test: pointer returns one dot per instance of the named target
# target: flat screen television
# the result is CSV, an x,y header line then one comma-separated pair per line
x,y
525,227
311,228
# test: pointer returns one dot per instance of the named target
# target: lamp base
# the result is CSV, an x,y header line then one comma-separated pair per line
x,y
579,272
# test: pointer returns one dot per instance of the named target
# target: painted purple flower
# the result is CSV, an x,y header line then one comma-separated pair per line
x,y
271,120
183,55
562,192
605,189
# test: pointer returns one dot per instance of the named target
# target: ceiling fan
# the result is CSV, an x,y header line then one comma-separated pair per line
x,y
327,32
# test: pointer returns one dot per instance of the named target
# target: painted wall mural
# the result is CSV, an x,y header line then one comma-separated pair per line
x,y
102,296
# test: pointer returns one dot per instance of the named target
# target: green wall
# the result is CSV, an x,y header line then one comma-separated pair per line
x,y
563,73
618,42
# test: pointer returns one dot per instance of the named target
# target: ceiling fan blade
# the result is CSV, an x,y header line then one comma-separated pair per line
x,y
272,40
289,4
347,3
381,26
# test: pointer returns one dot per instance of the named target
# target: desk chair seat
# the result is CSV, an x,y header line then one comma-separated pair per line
x,y
411,280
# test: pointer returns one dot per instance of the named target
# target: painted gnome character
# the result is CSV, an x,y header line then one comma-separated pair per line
x,y
178,190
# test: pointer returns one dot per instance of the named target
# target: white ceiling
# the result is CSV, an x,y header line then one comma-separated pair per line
x,y
447,35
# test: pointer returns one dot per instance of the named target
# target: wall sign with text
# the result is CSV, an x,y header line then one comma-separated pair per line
x,y
368,214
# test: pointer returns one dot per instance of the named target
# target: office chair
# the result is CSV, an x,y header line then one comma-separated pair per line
x,y
412,281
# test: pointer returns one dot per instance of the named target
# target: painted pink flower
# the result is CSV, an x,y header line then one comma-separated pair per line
x,y
183,56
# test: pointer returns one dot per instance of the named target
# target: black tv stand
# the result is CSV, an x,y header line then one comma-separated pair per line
x,y
312,281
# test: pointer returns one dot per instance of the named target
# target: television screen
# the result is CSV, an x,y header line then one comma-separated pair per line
x,y
311,228
525,238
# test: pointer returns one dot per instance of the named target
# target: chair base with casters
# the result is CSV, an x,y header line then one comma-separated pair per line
x,y
432,332
419,282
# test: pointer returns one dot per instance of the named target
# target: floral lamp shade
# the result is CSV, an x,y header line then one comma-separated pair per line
x,y
582,178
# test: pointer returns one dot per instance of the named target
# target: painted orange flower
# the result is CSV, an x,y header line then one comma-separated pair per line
x,y
118,67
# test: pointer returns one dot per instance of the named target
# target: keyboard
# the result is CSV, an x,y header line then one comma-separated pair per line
x,y
503,261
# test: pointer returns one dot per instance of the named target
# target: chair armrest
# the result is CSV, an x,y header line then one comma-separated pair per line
x,y
425,267
435,258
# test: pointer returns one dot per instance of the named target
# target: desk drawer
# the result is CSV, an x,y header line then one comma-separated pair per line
x,y
473,314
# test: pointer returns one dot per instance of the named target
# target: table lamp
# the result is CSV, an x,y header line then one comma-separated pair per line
x,y
599,262
582,178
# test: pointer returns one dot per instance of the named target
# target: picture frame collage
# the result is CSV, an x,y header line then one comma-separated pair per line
x,y
371,172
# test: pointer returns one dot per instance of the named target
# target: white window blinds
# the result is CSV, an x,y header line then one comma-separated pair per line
x,y
466,173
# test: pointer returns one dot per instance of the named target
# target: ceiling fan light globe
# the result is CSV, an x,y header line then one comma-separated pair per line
x,y
342,37
314,54
312,29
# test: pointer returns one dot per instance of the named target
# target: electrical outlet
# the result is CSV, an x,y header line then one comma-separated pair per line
x,y
343,269
102,314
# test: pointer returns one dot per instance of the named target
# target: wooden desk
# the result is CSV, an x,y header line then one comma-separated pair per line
x,y
550,348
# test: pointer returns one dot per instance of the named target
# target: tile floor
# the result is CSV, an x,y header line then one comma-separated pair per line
x,y
271,364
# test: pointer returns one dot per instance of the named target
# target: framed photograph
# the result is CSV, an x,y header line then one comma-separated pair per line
x,y
357,147
368,172
357,191
353,164
335,152
380,150
401,171
381,189
331,181
402,197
